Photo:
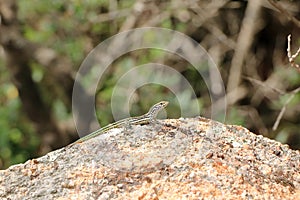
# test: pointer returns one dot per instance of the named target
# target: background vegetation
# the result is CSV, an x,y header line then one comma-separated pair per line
x,y
43,43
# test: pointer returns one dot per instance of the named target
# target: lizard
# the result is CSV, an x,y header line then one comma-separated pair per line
x,y
147,118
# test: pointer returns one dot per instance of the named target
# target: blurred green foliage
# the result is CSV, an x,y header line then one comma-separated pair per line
x,y
18,141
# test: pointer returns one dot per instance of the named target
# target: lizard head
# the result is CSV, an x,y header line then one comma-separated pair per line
x,y
156,108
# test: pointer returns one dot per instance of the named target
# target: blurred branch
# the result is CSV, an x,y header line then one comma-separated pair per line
x,y
131,19
294,92
220,35
245,38
110,16
256,118
283,109
261,83
290,56
206,11
285,12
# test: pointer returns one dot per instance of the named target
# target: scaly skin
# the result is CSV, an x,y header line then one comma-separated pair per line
x,y
147,118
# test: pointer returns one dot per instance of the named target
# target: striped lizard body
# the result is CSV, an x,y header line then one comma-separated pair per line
x,y
147,118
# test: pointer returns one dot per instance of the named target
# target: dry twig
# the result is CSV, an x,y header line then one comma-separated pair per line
x,y
294,92
290,56
285,12
283,109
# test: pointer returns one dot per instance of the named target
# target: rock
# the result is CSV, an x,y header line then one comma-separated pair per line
x,y
174,159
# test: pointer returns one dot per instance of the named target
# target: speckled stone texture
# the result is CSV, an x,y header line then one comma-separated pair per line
x,y
193,158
